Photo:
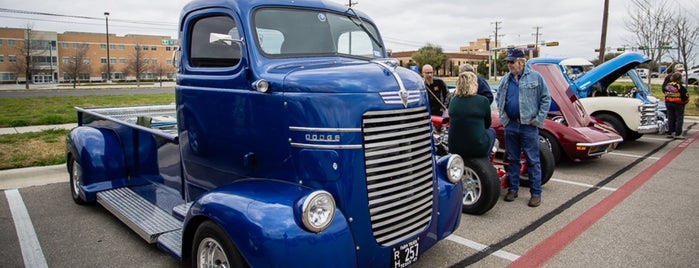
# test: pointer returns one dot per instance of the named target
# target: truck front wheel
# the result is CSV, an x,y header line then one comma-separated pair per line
x,y
481,186
213,248
615,123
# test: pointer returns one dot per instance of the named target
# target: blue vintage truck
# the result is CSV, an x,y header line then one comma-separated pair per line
x,y
631,115
293,142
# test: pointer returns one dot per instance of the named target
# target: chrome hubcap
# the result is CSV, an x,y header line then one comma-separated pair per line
x,y
472,187
211,254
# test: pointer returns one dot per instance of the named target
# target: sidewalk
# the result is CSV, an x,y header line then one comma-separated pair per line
x,y
17,130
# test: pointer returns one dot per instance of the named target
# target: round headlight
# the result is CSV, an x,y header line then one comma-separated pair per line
x,y
318,211
261,86
455,168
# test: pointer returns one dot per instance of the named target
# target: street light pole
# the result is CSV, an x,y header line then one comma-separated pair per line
x,y
106,23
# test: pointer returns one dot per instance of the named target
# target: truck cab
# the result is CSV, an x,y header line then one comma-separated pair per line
x,y
291,133
631,115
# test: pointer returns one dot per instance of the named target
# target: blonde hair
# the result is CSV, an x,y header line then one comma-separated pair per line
x,y
466,85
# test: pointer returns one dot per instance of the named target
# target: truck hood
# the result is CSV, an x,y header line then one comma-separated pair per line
x,y
338,75
611,70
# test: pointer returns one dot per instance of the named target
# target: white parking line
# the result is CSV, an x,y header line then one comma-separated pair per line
x,y
477,246
634,155
584,185
28,242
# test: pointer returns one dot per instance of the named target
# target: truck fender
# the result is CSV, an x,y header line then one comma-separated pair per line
x,y
262,217
450,197
99,153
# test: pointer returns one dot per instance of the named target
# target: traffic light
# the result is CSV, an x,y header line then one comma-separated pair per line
x,y
642,48
596,49
620,49
552,44
531,46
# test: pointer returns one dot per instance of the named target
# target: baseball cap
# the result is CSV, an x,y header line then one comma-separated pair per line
x,y
513,54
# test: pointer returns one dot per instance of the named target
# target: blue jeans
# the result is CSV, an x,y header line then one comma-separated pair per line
x,y
520,138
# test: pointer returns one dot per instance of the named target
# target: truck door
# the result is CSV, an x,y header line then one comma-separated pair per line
x,y
213,104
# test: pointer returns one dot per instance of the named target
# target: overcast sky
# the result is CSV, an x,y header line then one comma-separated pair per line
x,y
404,24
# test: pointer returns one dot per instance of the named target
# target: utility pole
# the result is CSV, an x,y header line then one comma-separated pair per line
x,y
495,63
106,23
536,40
603,39
350,3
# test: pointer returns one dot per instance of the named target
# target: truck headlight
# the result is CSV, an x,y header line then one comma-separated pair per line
x,y
455,168
318,211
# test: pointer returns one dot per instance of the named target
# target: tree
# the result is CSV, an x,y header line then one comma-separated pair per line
x,y
76,65
137,64
685,33
26,52
162,69
650,21
482,68
430,54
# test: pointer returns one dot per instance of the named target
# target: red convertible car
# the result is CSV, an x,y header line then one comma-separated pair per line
x,y
571,131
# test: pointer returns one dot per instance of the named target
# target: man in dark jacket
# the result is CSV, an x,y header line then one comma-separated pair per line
x,y
436,91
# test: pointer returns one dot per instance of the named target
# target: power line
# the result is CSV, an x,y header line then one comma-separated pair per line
x,y
34,13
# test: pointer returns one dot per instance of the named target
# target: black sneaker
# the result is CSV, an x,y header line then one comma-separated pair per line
x,y
510,196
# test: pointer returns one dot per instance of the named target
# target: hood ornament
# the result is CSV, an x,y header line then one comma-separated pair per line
x,y
403,97
391,65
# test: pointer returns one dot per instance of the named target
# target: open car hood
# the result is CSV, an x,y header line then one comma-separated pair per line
x,y
611,70
570,108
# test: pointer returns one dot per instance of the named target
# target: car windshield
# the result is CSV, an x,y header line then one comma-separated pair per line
x,y
638,81
289,32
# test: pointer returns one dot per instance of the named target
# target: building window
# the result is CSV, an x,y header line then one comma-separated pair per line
x,y
86,45
153,48
154,61
103,60
86,60
64,45
84,76
103,46
8,77
122,61
12,58
119,76
145,61
0,42
112,46
75,45
112,61
121,47
168,48
10,42
2,58
168,62
145,48
65,60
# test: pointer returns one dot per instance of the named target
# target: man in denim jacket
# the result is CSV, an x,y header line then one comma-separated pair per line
x,y
523,101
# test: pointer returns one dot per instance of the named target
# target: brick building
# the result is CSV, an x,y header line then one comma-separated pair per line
x,y
48,51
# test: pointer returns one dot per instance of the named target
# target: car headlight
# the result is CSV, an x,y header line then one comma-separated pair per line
x,y
455,168
318,211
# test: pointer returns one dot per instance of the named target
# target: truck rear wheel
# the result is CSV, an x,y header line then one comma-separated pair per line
x,y
75,173
213,248
481,186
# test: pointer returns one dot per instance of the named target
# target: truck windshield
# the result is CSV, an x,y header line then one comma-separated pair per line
x,y
288,32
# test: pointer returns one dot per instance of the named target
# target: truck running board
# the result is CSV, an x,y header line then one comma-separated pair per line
x,y
146,219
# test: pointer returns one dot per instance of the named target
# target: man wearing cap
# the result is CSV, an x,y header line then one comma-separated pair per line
x,y
523,101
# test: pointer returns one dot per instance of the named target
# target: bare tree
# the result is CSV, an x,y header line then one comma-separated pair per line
x,y
26,53
650,21
137,64
686,33
76,65
162,69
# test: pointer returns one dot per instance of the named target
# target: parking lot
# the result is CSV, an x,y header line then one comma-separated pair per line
x,y
633,207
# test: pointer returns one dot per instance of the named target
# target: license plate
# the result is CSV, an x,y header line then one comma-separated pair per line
x,y
406,254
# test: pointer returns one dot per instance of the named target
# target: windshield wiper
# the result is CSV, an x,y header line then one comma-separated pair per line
x,y
360,23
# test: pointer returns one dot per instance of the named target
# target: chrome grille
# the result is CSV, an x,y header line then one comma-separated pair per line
x,y
648,114
398,160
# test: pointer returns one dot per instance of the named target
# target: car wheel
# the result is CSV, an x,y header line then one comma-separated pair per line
x,y
75,174
615,123
213,248
548,164
556,150
633,135
481,186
